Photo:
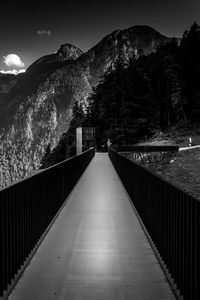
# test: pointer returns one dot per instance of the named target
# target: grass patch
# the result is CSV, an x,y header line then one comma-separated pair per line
x,y
184,171
175,136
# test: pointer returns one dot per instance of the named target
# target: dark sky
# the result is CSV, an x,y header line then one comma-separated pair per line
x,y
33,30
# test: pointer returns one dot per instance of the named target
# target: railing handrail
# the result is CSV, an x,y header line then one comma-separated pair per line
x,y
42,170
144,148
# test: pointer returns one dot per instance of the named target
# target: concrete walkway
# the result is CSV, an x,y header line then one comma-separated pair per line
x,y
96,249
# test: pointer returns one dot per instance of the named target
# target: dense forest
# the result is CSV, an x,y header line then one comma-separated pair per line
x,y
149,93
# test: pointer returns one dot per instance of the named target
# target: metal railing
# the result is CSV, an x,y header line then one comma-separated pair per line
x,y
172,218
144,148
28,207
151,155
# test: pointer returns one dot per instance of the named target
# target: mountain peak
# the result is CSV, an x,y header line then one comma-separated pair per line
x,y
69,52
145,29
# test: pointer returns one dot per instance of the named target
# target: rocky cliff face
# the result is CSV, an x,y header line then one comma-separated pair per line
x,y
38,108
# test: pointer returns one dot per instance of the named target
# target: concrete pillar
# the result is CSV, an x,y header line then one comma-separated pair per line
x,y
78,140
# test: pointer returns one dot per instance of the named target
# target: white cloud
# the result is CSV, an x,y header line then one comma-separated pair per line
x,y
15,72
44,32
13,60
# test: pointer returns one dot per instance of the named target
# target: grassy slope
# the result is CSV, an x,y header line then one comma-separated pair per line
x,y
176,136
184,170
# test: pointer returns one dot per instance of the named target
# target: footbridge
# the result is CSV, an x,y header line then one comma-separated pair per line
x,y
95,227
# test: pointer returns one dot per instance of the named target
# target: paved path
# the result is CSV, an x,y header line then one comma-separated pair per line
x,y
96,249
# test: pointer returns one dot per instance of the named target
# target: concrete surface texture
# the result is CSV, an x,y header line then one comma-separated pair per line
x,y
96,249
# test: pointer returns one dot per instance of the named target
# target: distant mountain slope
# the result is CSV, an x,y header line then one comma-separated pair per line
x,y
38,108
123,43
49,63
28,82
7,82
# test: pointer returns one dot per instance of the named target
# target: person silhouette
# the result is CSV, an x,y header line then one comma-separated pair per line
x,y
108,143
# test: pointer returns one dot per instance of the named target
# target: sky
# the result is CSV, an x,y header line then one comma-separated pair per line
x,y
31,30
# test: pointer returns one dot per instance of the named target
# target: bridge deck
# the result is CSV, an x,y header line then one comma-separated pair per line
x,y
96,248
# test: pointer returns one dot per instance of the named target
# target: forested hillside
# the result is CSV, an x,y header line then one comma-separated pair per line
x,y
38,109
153,92
132,84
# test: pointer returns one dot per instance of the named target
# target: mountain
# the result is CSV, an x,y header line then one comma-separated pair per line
x,y
7,81
38,109
47,64
122,43
27,83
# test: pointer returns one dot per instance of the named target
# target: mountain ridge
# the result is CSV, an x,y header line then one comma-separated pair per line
x,y
39,106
